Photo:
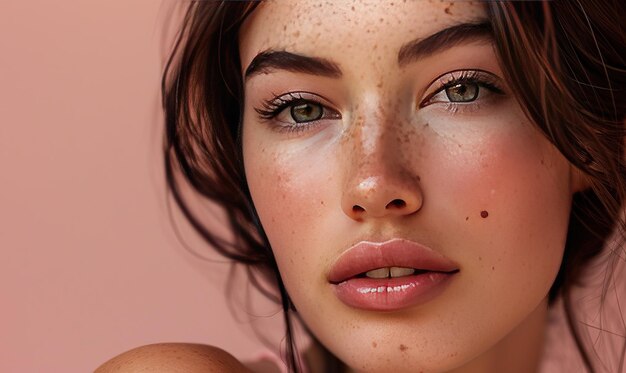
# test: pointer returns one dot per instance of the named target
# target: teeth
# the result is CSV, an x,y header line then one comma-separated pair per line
x,y
386,272
378,273
401,271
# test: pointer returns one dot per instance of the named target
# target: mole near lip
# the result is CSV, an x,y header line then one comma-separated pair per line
x,y
366,256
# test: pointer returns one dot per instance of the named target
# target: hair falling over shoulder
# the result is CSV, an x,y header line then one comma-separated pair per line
x,y
566,65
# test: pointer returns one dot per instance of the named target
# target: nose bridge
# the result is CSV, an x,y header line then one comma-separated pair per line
x,y
374,136
378,176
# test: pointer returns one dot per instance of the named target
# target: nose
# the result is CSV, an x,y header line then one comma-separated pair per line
x,y
378,196
380,179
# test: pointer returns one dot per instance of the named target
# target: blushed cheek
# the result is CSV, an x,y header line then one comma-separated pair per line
x,y
511,191
272,190
290,194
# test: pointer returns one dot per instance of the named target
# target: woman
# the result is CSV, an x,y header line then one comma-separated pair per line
x,y
419,181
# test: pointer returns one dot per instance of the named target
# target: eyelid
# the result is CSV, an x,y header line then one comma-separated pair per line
x,y
272,110
273,107
481,77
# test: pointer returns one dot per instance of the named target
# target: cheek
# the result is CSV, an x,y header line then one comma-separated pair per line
x,y
506,195
292,192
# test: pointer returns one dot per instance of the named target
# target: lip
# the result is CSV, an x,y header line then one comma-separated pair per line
x,y
390,294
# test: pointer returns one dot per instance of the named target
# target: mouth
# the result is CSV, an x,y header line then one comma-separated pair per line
x,y
390,275
393,272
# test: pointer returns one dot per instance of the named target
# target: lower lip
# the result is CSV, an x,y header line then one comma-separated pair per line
x,y
391,294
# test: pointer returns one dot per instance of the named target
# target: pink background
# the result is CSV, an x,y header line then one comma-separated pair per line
x,y
90,264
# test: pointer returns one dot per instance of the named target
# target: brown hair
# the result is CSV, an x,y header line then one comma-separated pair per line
x,y
563,59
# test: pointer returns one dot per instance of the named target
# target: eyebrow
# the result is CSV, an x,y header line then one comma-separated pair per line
x,y
444,39
282,60
269,60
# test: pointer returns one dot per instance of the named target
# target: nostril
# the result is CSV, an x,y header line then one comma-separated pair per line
x,y
396,203
357,209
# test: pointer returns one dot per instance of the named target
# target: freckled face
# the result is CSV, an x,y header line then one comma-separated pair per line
x,y
434,150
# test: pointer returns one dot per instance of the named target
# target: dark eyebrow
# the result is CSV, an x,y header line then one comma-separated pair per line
x,y
444,39
419,48
270,60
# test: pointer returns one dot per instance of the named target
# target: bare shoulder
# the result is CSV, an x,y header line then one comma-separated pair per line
x,y
173,358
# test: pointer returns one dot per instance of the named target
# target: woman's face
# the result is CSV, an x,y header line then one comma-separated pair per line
x,y
380,135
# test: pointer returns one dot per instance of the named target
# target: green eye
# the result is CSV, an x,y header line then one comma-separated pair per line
x,y
306,112
462,92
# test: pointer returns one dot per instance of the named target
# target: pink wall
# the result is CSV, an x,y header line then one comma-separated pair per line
x,y
90,265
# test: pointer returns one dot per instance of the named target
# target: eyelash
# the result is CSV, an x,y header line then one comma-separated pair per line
x,y
481,78
272,108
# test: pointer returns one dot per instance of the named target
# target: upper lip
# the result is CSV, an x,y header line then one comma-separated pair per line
x,y
366,256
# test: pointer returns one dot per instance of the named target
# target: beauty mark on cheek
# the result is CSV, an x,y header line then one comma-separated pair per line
x,y
403,348
484,214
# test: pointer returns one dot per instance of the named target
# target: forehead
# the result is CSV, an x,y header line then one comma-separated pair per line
x,y
355,28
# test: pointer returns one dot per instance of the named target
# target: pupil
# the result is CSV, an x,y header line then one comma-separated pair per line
x,y
464,92
306,112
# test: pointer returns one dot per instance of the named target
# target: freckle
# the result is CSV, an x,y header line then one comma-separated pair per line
x,y
426,124
374,344
484,214
542,161
296,34
466,218
322,203
418,178
403,348
480,258
285,28
381,20
493,268
352,8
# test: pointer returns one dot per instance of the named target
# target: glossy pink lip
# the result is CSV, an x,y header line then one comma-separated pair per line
x,y
390,294
366,256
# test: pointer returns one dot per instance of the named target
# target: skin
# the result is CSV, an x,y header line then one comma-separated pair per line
x,y
480,185
174,358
